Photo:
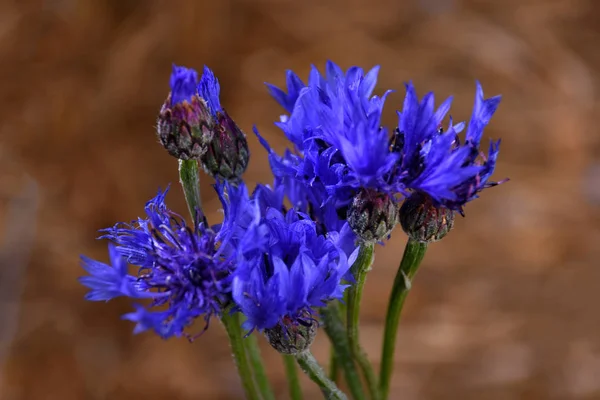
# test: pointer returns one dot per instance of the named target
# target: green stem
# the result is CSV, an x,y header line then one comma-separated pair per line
x,y
234,331
189,178
311,367
360,269
333,365
292,376
332,321
260,376
190,182
413,254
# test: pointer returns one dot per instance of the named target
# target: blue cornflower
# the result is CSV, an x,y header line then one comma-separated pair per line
x,y
335,125
339,147
178,266
183,84
433,161
285,268
309,195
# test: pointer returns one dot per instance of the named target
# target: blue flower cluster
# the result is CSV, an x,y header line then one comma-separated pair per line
x,y
277,264
339,145
268,263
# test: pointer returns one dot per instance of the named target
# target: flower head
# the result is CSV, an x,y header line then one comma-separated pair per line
x,y
335,125
178,267
432,160
284,267
340,147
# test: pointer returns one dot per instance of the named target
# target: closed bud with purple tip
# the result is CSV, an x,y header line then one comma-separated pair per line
x,y
227,153
372,215
185,125
423,220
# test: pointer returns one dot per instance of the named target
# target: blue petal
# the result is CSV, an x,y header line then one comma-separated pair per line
x,y
483,111
108,281
209,89
294,85
183,84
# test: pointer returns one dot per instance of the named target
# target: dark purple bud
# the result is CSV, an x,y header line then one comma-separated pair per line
x,y
185,125
292,336
227,153
372,215
185,129
423,221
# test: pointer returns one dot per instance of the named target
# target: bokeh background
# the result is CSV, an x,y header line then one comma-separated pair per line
x,y
505,307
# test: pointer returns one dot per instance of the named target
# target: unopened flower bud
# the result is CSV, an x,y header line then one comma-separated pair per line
x,y
227,154
292,337
372,215
185,125
423,221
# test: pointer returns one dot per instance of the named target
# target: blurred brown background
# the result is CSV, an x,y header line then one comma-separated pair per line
x,y
506,307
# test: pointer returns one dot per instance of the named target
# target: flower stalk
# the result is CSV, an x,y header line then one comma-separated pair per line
x,y
311,367
333,325
360,269
333,365
260,375
245,352
291,372
234,332
413,255
190,182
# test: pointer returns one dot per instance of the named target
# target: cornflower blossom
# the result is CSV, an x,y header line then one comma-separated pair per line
x,y
177,266
285,269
